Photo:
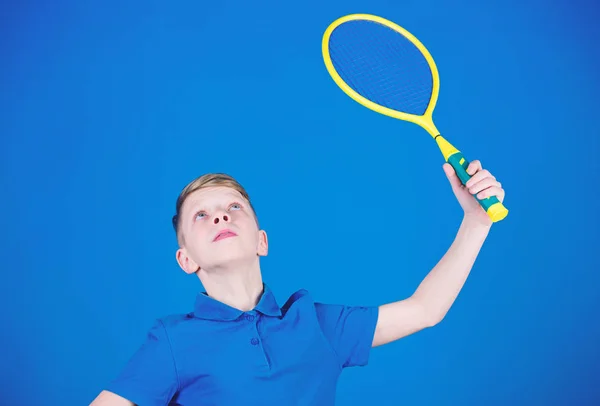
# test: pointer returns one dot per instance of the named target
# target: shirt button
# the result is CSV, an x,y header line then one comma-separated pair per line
x,y
250,317
254,341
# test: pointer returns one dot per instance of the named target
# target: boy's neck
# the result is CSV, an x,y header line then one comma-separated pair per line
x,y
240,288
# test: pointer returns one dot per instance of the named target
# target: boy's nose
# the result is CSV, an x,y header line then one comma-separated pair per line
x,y
225,218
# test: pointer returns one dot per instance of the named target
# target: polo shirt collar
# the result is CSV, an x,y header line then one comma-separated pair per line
x,y
209,308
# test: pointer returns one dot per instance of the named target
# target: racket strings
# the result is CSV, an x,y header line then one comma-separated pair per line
x,y
382,65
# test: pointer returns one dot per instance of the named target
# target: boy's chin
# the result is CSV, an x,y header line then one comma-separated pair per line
x,y
234,259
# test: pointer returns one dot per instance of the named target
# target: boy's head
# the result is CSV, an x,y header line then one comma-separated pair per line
x,y
205,208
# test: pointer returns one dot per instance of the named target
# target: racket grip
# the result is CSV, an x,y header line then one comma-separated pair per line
x,y
493,207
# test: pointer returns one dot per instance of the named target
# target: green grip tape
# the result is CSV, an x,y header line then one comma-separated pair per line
x,y
491,205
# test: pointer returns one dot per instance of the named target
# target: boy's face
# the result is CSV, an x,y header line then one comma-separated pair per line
x,y
205,215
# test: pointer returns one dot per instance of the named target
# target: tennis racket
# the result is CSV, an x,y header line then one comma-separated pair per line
x,y
388,70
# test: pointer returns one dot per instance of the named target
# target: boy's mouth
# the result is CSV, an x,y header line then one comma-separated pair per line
x,y
224,234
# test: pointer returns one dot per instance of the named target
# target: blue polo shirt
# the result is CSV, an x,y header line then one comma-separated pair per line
x,y
271,355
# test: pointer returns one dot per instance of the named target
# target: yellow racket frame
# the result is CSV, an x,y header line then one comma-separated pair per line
x,y
494,208
426,120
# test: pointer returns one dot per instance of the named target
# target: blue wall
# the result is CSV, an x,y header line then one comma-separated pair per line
x,y
108,109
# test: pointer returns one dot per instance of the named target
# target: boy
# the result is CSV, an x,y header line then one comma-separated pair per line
x,y
239,347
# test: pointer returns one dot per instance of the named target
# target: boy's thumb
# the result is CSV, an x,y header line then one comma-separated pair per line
x,y
451,175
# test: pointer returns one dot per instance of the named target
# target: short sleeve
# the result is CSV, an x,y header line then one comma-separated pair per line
x,y
350,331
149,378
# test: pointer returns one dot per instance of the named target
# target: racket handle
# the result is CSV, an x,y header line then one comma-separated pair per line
x,y
492,206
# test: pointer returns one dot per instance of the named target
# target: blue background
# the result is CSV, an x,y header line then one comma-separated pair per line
x,y
108,109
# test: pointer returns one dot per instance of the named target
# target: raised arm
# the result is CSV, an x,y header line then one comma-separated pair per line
x,y
437,292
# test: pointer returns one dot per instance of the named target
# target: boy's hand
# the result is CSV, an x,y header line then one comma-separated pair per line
x,y
482,184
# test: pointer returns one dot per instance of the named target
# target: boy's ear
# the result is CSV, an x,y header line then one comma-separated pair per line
x,y
263,244
185,262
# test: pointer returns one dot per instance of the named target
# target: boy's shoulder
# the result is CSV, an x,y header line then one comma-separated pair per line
x,y
174,322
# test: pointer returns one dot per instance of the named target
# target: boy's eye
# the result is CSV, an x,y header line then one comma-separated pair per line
x,y
200,215
235,206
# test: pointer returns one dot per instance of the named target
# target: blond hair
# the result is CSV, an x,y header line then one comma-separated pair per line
x,y
205,181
